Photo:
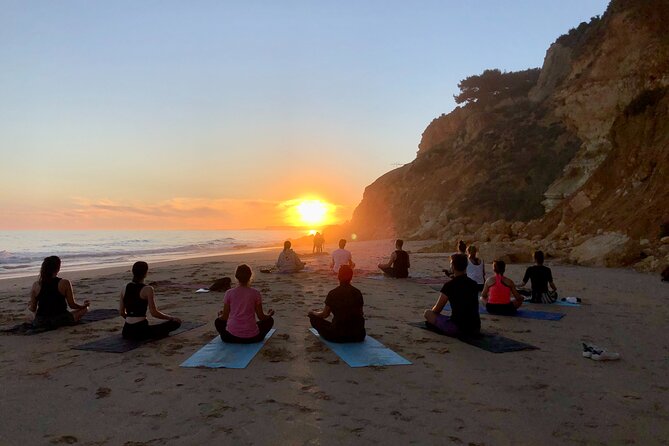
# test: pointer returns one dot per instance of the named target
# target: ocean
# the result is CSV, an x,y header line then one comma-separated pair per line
x,y
22,252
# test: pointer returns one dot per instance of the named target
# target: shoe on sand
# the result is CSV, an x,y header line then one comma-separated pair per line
x,y
598,354
587,350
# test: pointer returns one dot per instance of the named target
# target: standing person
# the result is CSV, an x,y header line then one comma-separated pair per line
x,y
135,299
398,265
289,261
236,323
316,240
321,242
541,277
345,303
50,297
461,248
341,257
498,290
318,243
475,267
462,293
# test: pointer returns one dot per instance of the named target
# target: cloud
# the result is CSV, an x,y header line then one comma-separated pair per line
x,y
195,213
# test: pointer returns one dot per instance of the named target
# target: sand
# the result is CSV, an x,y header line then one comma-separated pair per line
x,y
297,391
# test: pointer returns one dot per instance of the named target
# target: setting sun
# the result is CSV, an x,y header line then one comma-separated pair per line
x,y
309,212
312,212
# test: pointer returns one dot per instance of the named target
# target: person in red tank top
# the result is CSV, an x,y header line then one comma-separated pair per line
x,y
497,292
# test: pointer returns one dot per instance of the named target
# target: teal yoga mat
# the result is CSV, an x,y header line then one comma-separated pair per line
x,y
218,354
370,352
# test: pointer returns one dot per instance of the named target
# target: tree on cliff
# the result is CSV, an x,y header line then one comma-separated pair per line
x,y
492,86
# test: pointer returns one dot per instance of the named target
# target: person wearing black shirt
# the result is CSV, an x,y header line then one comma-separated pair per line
x,y
345,303
462,293
398,265
541,277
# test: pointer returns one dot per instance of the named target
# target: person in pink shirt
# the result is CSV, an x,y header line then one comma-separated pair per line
x,y
236,323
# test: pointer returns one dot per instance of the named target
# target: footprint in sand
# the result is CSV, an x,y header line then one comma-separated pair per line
x,y
65,439
102,392
277,354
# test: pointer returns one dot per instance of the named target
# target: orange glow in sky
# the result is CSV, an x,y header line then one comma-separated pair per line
x,y
309,212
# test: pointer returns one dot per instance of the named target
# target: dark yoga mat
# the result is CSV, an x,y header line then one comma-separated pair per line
x,y
486,341
92,316
116,344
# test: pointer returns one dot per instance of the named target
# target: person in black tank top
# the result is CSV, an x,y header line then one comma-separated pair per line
x,y
50,297
136,298
398,265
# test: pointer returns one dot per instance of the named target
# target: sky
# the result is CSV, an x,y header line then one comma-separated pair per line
x,y
225,114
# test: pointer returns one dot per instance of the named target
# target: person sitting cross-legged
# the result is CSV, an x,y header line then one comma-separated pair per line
x,y
541,277
462,293
345,303
289,261
497,292
398,265
236,323
136,298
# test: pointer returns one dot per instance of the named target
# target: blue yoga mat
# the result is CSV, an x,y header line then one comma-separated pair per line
x,y
370,352
525,314
531,314
218,354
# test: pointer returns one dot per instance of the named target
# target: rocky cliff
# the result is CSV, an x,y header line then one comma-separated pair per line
x,y
576,165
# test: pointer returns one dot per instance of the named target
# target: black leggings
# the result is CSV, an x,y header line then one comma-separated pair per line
x,y
142,330
264,326
503,309
328,332
391,272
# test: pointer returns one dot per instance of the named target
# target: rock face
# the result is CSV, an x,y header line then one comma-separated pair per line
x,y
583,155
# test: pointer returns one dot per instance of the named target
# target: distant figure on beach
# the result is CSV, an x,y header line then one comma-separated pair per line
x,y
398,265
475,267
541,277
135,299
345,303
461,248
236,323
462,293
288,261
318,243
50,296
341,257
497,292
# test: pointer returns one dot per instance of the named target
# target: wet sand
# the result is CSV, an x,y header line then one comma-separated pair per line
x,y
297,391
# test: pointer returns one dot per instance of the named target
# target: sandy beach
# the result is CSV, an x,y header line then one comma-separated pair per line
x,y
298,392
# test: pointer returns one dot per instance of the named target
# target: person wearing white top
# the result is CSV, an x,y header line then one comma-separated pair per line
x,y
341,257
475,267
